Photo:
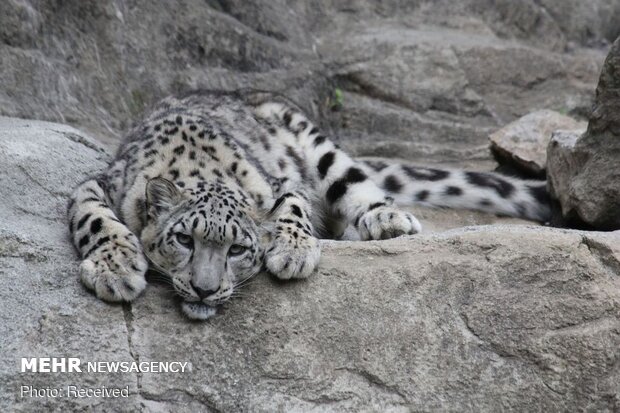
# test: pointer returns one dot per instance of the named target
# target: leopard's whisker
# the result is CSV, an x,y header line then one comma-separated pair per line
x,y
160,278
247,280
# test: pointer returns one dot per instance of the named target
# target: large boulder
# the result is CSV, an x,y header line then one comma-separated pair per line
x,y
584,172
485,318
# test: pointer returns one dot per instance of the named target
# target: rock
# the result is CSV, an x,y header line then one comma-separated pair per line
x,y
126,57
523,143
422,93
583,173
477,317
561,163
497,317
550,23
45,310
427,82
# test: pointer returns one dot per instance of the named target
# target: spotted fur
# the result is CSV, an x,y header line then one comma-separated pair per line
x,y
212,187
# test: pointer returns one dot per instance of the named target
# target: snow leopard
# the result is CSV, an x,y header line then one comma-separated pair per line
x,y
212,188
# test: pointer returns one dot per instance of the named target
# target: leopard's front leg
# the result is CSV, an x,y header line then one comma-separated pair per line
x,y
113,264
293,251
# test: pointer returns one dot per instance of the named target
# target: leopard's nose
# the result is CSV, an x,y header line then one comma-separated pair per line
x,y
202,294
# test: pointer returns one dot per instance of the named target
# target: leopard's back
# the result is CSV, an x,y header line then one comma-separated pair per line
x,y
201,137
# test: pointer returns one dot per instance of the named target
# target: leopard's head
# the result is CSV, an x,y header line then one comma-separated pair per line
x,y
204,241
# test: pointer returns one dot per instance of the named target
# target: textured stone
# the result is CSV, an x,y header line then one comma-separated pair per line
x,y
523,143
550,23
434,94
427,81
44,313
561,163
583,173
486,318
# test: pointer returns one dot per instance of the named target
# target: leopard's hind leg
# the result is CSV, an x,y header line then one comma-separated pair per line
x,y
349,197
113,264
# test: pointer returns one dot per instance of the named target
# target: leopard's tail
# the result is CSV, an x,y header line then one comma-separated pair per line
x,y
482,191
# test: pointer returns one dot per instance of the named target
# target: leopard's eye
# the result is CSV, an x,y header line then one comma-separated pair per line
x,y
236,250
185,240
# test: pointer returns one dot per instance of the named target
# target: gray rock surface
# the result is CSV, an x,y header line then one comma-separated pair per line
x,y
487,318
523,143
434,94
562,163
422,80
584,173
44,311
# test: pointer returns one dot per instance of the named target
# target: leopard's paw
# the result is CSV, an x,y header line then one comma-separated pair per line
x,y
292,254
387,222
115,272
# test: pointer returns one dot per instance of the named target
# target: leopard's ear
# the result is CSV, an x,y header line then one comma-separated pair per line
x,y
263,223
161,196
259,216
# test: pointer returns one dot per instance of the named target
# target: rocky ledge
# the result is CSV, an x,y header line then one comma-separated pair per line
x,y
491,318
